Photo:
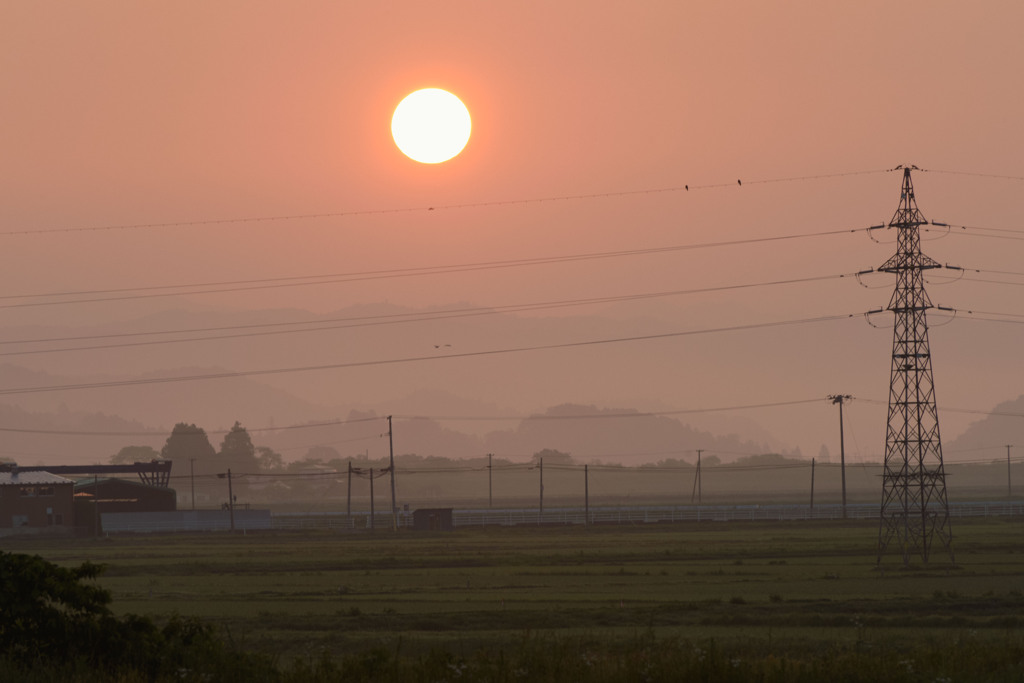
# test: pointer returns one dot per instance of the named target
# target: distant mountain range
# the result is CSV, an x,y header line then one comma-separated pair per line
x,y
476,383
988,437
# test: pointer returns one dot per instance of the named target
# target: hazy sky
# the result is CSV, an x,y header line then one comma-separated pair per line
x,y
128,114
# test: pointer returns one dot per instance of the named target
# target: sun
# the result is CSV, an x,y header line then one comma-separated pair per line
x,y
431,126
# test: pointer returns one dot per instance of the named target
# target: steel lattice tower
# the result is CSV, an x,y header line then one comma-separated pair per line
x,y
915,511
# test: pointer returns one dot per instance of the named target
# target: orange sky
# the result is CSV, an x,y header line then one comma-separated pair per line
x,y
138,113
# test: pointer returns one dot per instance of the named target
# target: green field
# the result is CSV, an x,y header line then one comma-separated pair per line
x,y
796,591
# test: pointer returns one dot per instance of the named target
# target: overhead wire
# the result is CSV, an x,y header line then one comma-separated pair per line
x,y
415,359
968,278
158,291
610,414
383,319
948,409
971,173
987,316
80,432
649,468
962,273
976,231
432,207
954,228
435,418
567,197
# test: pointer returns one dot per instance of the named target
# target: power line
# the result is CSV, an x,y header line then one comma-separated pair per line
x,y
949,228
984,271
415,359
722,469
957,313
611,415
986,316
427,208
158,291
992,316
968,278
377,320
154,433
962,273
436,418
970,173
333,442
975,231
968,411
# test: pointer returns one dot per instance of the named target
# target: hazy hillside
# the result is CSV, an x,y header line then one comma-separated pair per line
x,y
67,437
216,403
458,366
592,434
989,436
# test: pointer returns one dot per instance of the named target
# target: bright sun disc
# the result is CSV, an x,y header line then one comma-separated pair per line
x,y
431,126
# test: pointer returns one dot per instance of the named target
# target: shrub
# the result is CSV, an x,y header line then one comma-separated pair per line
x,y
52,619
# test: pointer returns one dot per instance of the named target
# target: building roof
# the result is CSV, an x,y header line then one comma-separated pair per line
x,y
88,484
31,479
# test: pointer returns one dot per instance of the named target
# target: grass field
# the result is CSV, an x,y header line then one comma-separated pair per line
x,y
793,589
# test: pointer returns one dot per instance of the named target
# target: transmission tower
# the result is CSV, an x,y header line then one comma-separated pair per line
x,y
915,511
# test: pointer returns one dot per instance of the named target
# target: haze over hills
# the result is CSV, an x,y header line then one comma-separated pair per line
x,y
587,433
988,436
624,231
471,376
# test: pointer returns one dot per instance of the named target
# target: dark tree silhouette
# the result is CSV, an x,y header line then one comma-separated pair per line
x,y
552,457
268,459
237,451
133,454
187,441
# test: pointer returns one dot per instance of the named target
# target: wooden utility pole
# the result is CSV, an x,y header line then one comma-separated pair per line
x,y
697,484
96,503
371,500
812,483
394,504
840,399
586,496
541,519
192,475
231,501
490,482
348,500
1009,486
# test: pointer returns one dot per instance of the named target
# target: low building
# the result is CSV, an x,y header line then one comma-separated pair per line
x,y
35,502
124,495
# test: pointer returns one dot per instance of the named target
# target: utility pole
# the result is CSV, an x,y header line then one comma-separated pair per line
x,y
541,519
1009,486
697,484
586,496
840,399
348,499
394,504
371,501
490,482
915,509
812,483
192,475
231,498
